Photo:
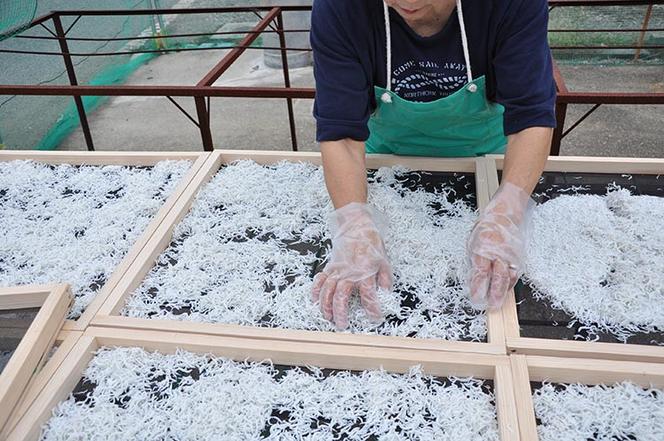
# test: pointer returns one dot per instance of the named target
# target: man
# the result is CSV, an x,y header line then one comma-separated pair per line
x,y
433,78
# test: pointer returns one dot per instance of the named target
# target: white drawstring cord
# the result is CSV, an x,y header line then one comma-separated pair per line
x,y
386,98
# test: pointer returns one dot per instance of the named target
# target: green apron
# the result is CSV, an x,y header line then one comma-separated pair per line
x,y
465,123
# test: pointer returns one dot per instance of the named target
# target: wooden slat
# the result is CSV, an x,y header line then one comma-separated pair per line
x,y
591,372
586,164
508,422
510,318
299,353
262,333
96,158
584,349
467,165
524,398
24,297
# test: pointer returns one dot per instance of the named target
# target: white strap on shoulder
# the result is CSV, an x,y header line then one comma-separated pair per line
x,y
464,41
386,98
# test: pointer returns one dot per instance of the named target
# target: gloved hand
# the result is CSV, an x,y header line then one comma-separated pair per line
x,y
497,246
358,262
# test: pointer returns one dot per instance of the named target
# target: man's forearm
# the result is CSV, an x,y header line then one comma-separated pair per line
x,y
345,171
526,155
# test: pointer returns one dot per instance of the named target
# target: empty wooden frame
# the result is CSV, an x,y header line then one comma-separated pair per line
x,y
109,313
434,363
53,302
566,348
115,158
526,369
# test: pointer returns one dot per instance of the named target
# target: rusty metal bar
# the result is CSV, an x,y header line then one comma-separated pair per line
x,y
43,19
627,46
632,30
204,123
234,54
182,109
195,34
561,87
556,3
71,73
50,32
104,12
561,113
580,120
610,98
214,91
644,29
561,110
73,24
280,92
287,83
112,54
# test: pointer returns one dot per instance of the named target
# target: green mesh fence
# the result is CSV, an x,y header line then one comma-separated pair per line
x,y
15,15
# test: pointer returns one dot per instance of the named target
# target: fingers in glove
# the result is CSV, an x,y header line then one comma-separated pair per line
x,y
480,280
514,277
326,297
340,304
319,281
369,299
500,283
385,277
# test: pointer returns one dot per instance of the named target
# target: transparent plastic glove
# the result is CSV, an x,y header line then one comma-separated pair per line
x,y
497,246
358,262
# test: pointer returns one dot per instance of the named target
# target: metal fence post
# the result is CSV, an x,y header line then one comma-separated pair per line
x,y
62,40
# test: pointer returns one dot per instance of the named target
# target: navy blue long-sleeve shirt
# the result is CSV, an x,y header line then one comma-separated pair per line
x,y
507,42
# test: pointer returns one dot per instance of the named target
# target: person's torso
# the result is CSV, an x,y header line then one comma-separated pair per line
x,y
426,68
429,68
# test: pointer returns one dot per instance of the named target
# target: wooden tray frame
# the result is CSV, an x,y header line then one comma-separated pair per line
x,y
332,356
53,302
527,368
566,348
109,313
115,158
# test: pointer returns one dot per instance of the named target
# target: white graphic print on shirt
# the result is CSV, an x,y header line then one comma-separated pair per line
x,y
428,80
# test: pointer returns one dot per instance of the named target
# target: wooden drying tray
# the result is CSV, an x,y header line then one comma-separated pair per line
x,y
566,348
109,313
280,352
115,158
569,370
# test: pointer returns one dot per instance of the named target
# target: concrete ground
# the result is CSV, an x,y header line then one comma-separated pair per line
x,y
153,123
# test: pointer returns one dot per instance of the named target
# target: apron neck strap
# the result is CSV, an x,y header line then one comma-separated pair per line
x,y
464,40
388,43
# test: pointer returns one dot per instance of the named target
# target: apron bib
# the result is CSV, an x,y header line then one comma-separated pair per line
x,y
465,123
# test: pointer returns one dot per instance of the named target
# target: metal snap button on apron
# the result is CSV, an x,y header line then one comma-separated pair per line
x,y
472,88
